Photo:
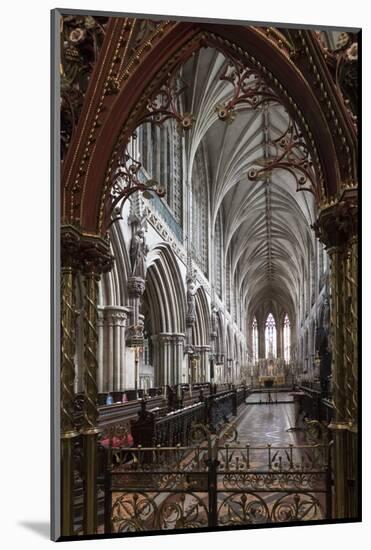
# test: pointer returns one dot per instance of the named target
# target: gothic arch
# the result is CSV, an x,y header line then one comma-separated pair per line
x,y
220,337
202,326
165,291
86,185
113,287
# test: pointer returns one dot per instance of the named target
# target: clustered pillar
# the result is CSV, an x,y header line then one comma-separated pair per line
x,y
168,358
87,256
337,229
112,333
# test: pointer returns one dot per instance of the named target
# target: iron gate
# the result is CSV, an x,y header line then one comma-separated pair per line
x,y
213,483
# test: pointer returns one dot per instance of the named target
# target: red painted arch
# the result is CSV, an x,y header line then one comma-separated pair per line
x,y
249,39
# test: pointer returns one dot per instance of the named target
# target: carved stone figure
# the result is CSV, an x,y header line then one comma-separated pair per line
x,y
191,292
214,321
138,254
326,313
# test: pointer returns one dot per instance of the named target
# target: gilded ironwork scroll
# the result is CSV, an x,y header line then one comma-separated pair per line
x,y
213,483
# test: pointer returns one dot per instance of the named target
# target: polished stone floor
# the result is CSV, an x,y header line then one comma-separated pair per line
x,y
260,424
267,429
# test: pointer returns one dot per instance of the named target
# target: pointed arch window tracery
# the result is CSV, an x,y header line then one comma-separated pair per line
x,y
286,338
161,155
270,337
218,256
200,213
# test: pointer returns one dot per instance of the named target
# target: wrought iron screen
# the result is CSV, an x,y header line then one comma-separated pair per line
x,y
215,484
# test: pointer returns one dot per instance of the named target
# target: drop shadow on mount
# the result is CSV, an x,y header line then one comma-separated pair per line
x,y
42,528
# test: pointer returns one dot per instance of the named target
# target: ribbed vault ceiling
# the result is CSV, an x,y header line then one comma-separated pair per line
x,y
266,222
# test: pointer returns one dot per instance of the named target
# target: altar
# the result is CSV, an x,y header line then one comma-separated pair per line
x,y
271,369
278,379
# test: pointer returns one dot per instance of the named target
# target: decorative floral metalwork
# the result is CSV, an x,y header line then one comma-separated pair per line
x,y
250,508
342,61
230,435
141,511
316,432
81,40
128,180
165,104
243,509
288,152
249,90
129,177
257,481
208,485
185,511
134,512
235,458
296,507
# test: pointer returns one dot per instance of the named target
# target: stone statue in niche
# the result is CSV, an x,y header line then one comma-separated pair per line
x,y
138,254
214,321
191,292
326,313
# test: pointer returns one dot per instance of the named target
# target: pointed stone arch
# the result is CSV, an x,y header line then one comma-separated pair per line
x,y
165,294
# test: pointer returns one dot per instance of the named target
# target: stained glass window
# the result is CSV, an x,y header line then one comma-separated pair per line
x,y
270,337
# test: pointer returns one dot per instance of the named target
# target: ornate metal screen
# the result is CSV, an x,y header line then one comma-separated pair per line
x,y
214,483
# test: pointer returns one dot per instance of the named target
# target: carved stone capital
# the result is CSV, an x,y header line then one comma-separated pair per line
x,y
134,336
136,286
190,320
166,338
116,315
179,339
337,222
189,349
87,253
204,348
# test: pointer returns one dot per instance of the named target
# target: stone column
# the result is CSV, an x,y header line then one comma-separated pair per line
x,y
190,317
113,365
204,363
337,229
158,376
178,358
134,335
310,352
164,358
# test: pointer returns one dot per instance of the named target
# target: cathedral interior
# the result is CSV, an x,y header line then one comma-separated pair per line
x,y
209,275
